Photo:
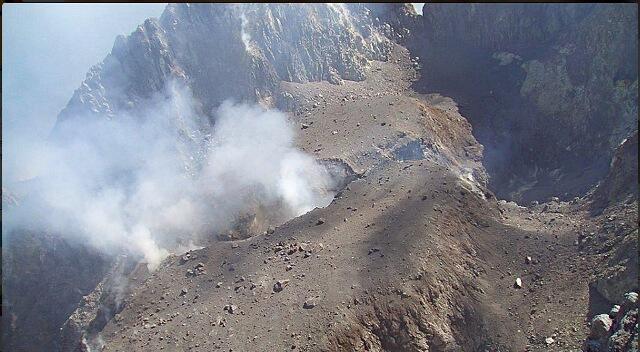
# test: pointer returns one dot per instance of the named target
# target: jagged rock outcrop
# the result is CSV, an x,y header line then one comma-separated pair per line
x,y
621,183
550,89
618,240
81,331
238,51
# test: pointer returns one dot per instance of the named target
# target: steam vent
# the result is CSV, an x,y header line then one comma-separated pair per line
x,y
320,177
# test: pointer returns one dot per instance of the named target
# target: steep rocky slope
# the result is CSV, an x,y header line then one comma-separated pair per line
x,y
518,69
415,253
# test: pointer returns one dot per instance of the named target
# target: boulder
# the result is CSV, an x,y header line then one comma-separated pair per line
x,y
600,326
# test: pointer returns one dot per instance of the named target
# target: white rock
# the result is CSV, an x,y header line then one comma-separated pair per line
x,y
549,340
600,326
518,283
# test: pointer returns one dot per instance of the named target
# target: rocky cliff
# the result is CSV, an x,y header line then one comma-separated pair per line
x,y
239,51
551,89
621,183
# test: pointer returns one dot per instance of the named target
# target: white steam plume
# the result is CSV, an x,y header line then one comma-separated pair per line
x,y
161,178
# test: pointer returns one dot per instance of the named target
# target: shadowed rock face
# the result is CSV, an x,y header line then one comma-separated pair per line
x,y
238,51
44,277
551,89
621,183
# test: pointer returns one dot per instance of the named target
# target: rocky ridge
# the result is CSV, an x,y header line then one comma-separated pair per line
x,y
253,47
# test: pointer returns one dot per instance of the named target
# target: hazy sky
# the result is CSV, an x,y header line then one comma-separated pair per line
x,y
48,48
46,51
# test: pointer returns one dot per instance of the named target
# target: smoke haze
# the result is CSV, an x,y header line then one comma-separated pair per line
x,y
164,176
